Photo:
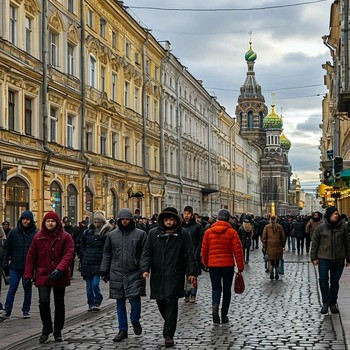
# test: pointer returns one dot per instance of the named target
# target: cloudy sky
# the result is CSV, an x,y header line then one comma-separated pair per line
x,y
212,37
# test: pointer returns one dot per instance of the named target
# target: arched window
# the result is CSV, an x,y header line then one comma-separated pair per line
x,y
250,120
72,194
56,198
17,199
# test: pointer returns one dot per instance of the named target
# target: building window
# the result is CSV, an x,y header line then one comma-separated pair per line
x,y
155,110
156,73
90,18
114,39
127,151
102,27
28,116
147,66
137,58
136,99
92,71
13,25
147,107
114,86
53,49
70,59
70,131
103,143
127,48
71,6
115,144
103,79
52,125
126,93
88,138
11,110
28,35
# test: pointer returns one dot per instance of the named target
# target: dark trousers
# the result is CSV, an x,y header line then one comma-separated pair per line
x,y
300,245
169,309
45,310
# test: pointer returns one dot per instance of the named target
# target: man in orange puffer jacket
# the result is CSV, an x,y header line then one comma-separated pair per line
x,y
221,251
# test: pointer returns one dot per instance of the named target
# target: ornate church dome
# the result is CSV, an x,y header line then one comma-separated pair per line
x,y
273,120
285,143
250,55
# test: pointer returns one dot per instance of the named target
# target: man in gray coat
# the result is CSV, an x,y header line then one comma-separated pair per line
x,y
121,265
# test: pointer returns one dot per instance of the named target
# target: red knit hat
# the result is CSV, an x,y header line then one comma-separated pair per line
x,y
52,215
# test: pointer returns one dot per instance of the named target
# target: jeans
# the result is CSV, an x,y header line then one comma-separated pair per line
x,y
333,269
15,277
135,312
93,291
45,309
293,243
246,254
169,309
221,282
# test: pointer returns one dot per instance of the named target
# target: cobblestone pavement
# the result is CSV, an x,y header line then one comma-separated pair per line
x,y
280,314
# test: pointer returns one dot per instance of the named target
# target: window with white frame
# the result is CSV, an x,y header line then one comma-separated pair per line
x,y
52,125
147,66
138,153
103,142
70,130
155,110
127,48
28,116
115,145
136,99
103,79
114,87
156,159
12,99
54,48
127,149
90,18
28,34
70,6
126,93
92,71
70,59
13,25
148,101
89,138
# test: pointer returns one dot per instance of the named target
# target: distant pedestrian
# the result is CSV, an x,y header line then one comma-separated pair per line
x,y
14,257
315,220
221,252
246,233
330,251
167,257
299,233
91,251
121,265
48,262
274,240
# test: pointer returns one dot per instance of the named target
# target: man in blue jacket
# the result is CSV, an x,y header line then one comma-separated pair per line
x,y
15,251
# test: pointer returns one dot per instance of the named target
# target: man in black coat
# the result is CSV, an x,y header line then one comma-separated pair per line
x,y
168,255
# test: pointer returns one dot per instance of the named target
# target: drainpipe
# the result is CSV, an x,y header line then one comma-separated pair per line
x,y
179,136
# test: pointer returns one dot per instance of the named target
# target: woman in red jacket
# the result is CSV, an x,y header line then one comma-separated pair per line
x,y
220,248
48,259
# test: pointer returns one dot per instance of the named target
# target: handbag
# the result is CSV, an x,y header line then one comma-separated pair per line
x,y
239,285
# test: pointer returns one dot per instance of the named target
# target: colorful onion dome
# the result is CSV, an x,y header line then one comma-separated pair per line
x,y
250,55
285,143
273,120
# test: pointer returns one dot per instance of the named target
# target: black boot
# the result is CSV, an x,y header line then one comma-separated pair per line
x,y
324,309
224,318
120,336
216,317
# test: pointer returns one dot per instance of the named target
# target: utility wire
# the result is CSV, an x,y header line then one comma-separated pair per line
x,y
224,9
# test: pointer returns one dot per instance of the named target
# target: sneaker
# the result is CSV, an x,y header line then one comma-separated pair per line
x,y
97,307
137,327
5,316
43,338
90,308
324,309
169,341
187,299
193,299
26,314
334,308
120,336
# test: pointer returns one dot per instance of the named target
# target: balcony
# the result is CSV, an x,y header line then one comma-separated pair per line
x,y
210,188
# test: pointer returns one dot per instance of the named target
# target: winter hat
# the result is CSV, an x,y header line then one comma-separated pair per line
x,y
125,213
329,212
248,218
99,216
27,214
169,212
51,215
224,215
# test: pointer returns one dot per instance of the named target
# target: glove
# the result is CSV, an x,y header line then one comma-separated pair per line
x,y
105,278
55,275
28,282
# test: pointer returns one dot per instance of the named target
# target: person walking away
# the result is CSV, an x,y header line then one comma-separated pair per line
x,y
14,257
2,238
246,233
91,252
48,261
167,258
221,252
299,234
121,265
291,234
274,240
67,226
315,220
77,235
196,231
330,249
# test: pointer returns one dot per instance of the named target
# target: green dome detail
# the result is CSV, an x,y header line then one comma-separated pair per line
x,y
273,120
285,143
250,55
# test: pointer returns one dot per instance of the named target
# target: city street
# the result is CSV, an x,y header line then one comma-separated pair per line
x,y
280,314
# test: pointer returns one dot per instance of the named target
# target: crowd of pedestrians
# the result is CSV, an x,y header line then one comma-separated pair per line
x,y
171,248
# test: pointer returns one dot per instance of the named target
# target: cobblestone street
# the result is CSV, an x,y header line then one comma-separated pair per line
x,y
280,314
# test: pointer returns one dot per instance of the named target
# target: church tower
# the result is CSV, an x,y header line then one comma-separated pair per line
x,y
251,108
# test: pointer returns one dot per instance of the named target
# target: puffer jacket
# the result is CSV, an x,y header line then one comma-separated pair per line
x,y
121,261
91,250
330,242
222,246
16,246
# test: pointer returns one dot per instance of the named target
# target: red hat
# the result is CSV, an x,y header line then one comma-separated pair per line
x,y
52,215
